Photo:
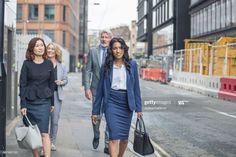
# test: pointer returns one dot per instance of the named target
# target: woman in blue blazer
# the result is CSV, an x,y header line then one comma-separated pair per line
x,y
118,89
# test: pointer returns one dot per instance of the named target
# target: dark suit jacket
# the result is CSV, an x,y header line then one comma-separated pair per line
x,y
133,89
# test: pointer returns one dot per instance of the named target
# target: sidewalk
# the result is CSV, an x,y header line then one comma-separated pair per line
x,y
75,130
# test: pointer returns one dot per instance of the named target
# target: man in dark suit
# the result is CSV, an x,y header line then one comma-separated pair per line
x,y
91,77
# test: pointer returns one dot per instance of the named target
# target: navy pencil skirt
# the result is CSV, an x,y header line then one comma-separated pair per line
x,y
38,112
118,115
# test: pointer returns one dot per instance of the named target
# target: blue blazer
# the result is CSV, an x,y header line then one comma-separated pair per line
x,y
133,89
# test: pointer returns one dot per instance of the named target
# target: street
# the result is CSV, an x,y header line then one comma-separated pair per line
x,y
187,124
180,124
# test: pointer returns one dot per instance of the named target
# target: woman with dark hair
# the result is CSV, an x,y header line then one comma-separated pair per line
x,y
119,90
36,90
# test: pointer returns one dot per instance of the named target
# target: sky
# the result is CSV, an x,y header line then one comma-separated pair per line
x,y
111,13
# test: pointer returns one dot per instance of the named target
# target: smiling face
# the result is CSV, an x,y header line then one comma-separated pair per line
x,y
39,48
118,51
51,51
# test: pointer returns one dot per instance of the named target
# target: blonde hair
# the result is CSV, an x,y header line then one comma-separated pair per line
x,y
58,51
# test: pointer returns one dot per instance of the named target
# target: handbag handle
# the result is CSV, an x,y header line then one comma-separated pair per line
x,y
28,120
140,122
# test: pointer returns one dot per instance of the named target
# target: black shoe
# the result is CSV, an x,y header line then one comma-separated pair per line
x,y
95,143
106,151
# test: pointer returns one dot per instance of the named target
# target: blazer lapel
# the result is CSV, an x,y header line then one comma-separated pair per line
x,y
127,79
110,76
97,56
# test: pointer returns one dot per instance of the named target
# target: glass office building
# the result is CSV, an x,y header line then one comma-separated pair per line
x,y
163,24
211,19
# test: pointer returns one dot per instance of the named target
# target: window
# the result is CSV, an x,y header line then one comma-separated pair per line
x,y
171,10
163,37
228,12
158,17
50,34
166,10
223,13
233,12
154,19
64,13
213,26
145,7
205,22
218,14
64,38
198,24
19,12
145,25
32,31
209,19
201,12
191,25
18,31
33,12
49,13
154,2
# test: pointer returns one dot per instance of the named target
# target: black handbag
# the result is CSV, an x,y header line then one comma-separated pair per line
x,y
142,144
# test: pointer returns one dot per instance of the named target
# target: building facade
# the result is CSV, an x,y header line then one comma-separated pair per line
x,y
163,24
57,19
211,19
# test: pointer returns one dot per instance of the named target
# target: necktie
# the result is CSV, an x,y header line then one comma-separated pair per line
x,y
103,55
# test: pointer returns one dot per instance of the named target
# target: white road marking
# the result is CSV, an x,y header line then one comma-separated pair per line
x,y
223,113
149,88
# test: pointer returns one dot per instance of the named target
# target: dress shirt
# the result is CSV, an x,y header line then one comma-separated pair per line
x,y
119,78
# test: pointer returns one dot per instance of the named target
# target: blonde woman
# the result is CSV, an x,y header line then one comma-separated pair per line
x,y
60,74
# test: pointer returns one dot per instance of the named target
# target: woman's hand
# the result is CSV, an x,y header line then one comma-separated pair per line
x,y
59,82
52,108
94,119
23,111
139,114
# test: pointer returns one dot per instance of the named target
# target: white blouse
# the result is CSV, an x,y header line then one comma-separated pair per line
x,y
119,78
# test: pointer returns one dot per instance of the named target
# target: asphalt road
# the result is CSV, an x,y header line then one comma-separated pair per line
x,y
187,124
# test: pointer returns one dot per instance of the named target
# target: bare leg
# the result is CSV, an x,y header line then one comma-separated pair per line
x,y
122,147
114,148
46,145
36,152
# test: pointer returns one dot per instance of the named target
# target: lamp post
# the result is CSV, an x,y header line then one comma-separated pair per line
x,y
2,85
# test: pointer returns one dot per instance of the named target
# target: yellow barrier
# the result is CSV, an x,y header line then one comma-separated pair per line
x,y
210,57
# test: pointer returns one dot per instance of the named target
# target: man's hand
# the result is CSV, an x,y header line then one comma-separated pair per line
x,y
23,111
94,119
88,94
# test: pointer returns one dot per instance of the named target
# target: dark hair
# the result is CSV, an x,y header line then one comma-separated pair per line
x,y
110,57
30,50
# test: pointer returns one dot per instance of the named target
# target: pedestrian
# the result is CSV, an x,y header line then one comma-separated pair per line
x,y
36,90
119,90
96,58
60,74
